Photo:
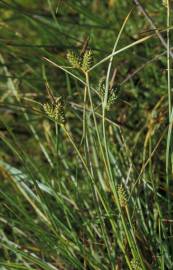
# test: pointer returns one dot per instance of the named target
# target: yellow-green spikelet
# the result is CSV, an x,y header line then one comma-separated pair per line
x,y
122,196
74,59
135,264
87,60
55,111
165,3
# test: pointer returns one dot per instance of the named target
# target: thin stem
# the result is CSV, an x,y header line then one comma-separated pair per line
x,y
84,115
168,154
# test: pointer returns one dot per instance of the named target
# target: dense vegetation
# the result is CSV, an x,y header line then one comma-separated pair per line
x,y
86,157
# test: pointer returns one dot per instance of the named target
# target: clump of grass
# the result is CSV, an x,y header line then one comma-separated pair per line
x,y
103,201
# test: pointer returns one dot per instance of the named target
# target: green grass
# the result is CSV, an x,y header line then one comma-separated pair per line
x,y
86,136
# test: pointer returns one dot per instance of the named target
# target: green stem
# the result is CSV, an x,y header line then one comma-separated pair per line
x,y
168,148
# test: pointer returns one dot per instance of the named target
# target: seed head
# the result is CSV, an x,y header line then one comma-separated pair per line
x,y
82,62
55,111
122,196
74,59
135,264
165,3
87,60
112,94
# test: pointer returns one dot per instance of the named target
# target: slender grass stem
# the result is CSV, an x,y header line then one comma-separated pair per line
x,y
169,139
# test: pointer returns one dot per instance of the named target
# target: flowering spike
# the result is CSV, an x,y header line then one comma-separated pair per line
x,y
86,60
122,196
112,93
55,111
135,264
74,59
165,3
